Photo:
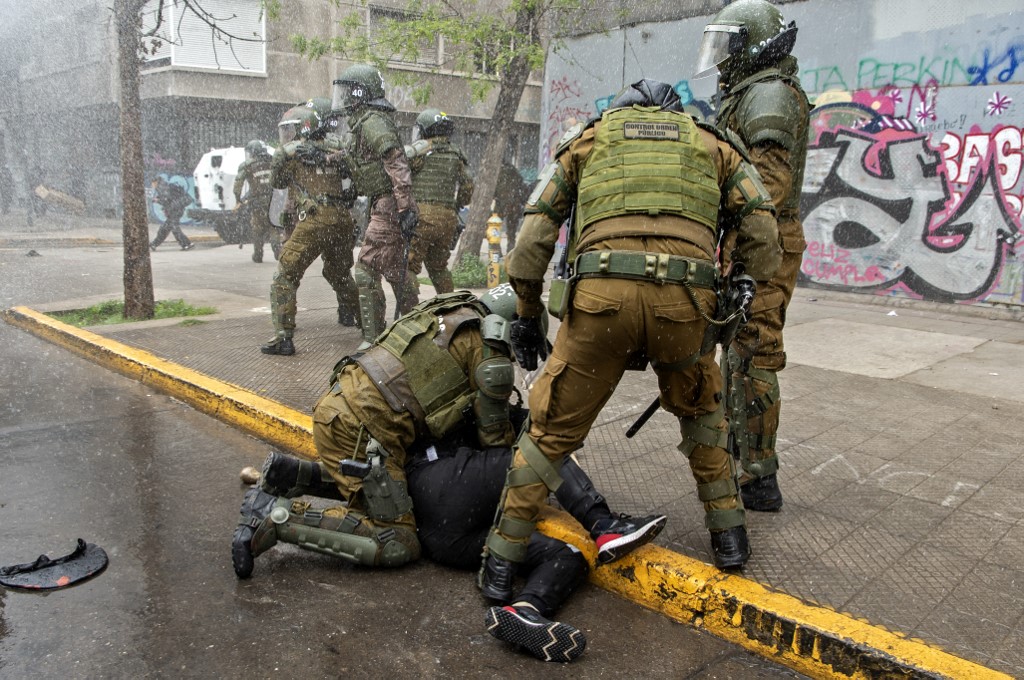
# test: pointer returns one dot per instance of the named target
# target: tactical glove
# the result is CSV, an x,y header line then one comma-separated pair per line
x,y
407,222
528,341
309,154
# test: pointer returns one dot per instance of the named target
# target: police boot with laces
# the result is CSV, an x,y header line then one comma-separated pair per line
x,y
523,626
620,535
730,547
255,533
762,494
495,578
279,345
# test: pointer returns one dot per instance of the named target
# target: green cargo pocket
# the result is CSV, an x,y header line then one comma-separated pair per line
x,y
325,410
793,243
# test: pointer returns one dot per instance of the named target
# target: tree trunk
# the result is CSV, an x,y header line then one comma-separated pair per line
x,y
510,92
138,272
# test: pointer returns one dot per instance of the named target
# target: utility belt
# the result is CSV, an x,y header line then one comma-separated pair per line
x,y
314,203
628,264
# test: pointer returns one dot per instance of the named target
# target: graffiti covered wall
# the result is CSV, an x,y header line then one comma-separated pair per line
x,y
914,181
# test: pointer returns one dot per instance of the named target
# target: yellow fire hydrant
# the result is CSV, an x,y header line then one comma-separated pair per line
x,y
495,265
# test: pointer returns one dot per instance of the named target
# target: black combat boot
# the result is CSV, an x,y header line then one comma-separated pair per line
x,y
762,494
283,346
495,578
524,627
347,317
256,507
730,547
620,535
290,477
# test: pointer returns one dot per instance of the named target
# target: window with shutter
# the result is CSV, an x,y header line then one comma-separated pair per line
x,y
225,35
380,17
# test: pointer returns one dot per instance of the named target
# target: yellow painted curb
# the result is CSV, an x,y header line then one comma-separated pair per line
x,y
814,640
266,419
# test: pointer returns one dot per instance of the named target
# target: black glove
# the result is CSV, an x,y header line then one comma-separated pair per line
x,y
528,341
407,222
309,154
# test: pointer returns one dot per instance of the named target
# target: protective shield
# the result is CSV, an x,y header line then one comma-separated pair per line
x,y
278,206
346,95
720,40
288,130
86,561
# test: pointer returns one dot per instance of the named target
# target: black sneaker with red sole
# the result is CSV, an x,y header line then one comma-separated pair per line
x,y
620,535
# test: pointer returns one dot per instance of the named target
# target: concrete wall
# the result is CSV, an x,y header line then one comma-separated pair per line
x,y
914,184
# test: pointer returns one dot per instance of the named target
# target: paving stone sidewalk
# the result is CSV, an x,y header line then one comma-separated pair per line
x,y
901,453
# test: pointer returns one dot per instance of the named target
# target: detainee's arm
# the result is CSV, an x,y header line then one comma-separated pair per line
x,y
546,209
755,240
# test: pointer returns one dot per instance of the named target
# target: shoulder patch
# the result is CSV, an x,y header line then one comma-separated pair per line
x,y
571,135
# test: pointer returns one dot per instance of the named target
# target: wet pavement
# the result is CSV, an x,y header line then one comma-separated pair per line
x,y
900,442
88,453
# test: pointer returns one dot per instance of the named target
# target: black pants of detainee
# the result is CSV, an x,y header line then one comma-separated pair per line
x,y
455,498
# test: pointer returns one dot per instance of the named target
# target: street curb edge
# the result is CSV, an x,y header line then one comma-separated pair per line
x,y
809,638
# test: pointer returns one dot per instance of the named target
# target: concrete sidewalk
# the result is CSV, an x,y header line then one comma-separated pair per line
x,y
901,466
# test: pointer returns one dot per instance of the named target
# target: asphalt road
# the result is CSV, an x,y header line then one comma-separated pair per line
x,y
87,453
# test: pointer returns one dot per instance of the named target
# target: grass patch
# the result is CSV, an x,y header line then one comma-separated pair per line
x,y
112,311
471,272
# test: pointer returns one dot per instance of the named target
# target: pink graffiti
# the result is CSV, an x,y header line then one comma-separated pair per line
x,y
564,110
964,154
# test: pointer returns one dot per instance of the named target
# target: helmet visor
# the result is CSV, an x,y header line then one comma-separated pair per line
x,y
288,130
346,95
715,48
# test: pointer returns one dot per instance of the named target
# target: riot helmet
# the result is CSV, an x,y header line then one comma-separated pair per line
x,y
648,93
255,149
432,123
501,300
305,121
743,37
359,85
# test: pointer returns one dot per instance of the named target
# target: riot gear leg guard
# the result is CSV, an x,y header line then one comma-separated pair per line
x,y
704,441
290,477
268,519
371,303
507,541
753,401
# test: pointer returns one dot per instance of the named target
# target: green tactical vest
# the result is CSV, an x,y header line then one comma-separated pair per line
x,y
315,183
257,173
758,112
650,162
437,179
413,369
373,135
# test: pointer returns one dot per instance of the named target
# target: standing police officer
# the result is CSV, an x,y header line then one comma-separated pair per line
x,y
748,43
441,186
644,185
316,183
255,170
381,172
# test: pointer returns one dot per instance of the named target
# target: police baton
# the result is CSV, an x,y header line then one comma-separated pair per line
x,y
644,417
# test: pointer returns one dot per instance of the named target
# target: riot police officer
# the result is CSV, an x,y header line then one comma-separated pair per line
x,y
324,227
255,170
748,43
381,172
441,186
644,185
